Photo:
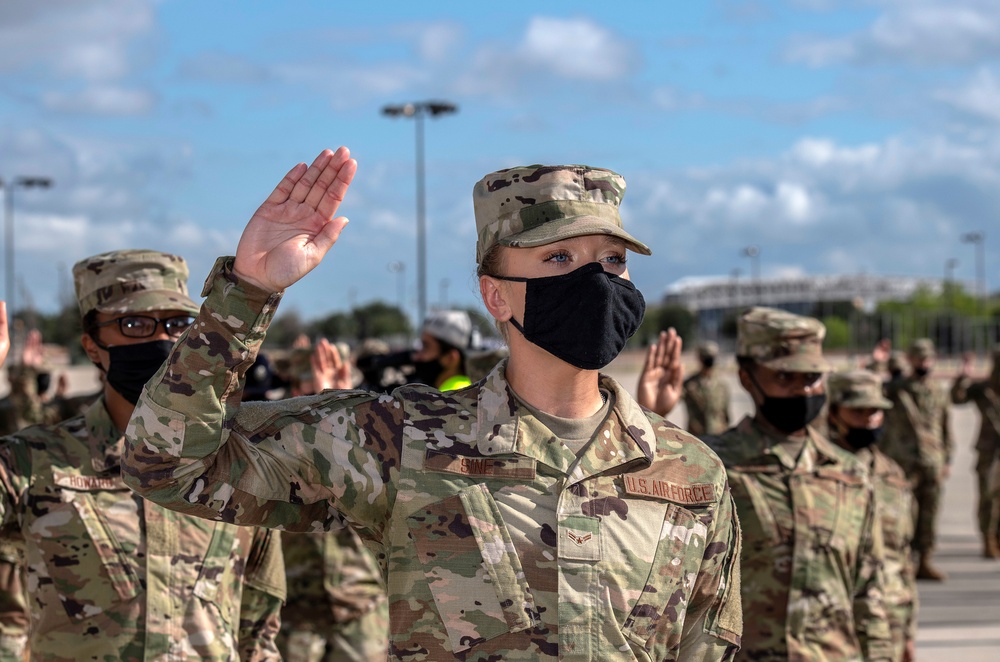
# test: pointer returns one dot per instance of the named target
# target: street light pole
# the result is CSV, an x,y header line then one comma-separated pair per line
x,y
949,285
8,189
399,269
979,240
753,252
417,111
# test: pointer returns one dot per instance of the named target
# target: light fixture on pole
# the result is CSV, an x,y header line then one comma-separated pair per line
x,y
417,111
979,240
8,187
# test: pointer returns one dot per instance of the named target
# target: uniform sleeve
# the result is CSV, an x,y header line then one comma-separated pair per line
x,y
304,464
870,618
713,624
960,390
15,477
14,616
949,444
263,595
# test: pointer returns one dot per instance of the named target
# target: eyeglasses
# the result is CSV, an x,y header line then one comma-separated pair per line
x,y
143,326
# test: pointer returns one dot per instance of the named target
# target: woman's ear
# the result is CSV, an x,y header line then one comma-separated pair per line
x,y
495,298
92,350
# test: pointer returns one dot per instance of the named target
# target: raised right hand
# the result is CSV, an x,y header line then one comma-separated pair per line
x,y
293,229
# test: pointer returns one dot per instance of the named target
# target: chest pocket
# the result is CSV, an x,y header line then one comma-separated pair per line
x,y
895,507
657,619
833,505
758,520
472,568
88,568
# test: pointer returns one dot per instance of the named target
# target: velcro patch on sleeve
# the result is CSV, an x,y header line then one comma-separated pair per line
x,y
688,495
516,468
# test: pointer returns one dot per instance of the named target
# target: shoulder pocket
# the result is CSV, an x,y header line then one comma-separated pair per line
x,y
472,568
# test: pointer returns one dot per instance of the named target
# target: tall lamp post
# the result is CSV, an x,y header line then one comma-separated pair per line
x,y
8,187
979,240
949,281
418,110
753,252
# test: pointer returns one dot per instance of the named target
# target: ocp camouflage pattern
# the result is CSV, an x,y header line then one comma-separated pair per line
x,y
497,541
706,398
811,564
115,577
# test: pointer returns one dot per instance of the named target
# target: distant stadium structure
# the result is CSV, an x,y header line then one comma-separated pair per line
x,y
713,299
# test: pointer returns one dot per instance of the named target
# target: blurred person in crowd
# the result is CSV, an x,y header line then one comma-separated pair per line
x,y
706,395
918,438
985,393
856,417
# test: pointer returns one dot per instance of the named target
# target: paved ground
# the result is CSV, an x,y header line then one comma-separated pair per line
x,y
959,619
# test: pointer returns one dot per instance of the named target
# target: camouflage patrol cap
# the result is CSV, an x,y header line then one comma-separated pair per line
x,y
708,349
132,281
856,389
536,205
780,340
922,348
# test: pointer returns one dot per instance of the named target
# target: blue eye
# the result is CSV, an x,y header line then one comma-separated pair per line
x,y
557,257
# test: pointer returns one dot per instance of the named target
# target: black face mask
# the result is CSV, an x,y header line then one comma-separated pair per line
x,y
43,381
134,365
921,372
708,362
584,317
427,372
858,438
792,414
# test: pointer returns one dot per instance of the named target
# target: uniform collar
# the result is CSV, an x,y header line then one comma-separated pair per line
x,y
103,438
763,443
624,437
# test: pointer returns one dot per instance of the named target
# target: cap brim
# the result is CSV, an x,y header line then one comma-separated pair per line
x,y
149,301
573,226
798,363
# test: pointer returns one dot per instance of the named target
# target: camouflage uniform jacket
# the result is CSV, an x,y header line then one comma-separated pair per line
x,y
707,401
811,562
115,577
895,508
332,579
497,541
986,395
917,433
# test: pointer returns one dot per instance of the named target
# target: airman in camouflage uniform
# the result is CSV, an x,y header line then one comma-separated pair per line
x,y
706,395
112,576
855,423
811,562
986,395
919,439
500,539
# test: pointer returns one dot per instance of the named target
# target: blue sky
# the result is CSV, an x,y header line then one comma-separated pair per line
x,y
840,137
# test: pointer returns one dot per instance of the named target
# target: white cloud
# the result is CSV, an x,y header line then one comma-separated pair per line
x,y
577,48
921,32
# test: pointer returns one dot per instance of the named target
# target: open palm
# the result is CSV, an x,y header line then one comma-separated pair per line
x,y
293,229
661,382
